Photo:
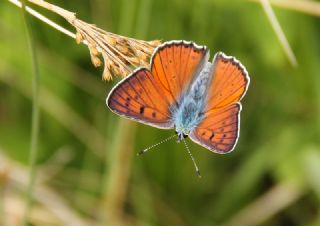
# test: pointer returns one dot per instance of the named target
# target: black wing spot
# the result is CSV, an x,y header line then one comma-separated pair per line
x,y
204,133
154,114
224,135
212,136
141,110
128,99
127,104
136,97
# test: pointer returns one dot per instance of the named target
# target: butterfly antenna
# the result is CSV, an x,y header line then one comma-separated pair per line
x,y
191,156
155,145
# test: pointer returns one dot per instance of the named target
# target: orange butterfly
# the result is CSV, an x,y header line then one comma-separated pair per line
x,y
185,92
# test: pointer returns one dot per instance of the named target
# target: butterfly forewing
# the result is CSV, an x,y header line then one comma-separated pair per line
x,y
219,131
137,97
149,96
229,82
174,66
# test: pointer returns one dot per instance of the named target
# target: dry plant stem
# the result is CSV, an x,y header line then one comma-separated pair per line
x,y
120,54
304,6
119,159
272,202
35,118
44,19
279,32
3,184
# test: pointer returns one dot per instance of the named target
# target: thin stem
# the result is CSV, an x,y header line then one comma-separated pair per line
x,y
117,174
310,7
2,199
44,19
35,117
279,32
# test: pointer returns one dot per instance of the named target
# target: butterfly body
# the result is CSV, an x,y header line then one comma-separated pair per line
x,y
185,92
190,111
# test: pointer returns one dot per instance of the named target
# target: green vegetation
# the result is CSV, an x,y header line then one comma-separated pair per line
x,y
88,171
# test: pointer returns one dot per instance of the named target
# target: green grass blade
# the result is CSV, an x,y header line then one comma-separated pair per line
x,y
35,117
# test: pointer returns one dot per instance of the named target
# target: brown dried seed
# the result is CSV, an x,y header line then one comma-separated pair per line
x,y
79,37
95,60
116,70
110,40
134,60
122,49
106,75
109,63
94,50
142,55
122,42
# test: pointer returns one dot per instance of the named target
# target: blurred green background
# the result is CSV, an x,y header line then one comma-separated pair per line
x,y
88,173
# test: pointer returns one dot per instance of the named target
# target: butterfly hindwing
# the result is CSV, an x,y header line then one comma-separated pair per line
x,y
137,97
219,132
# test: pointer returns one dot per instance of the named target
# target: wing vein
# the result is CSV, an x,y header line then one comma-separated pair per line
x,y
165,75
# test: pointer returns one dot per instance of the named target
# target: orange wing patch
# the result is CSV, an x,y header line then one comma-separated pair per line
x,y
174,66
229,82
219,132
137,97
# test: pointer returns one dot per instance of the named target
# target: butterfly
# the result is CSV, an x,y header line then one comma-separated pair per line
x,y
184,91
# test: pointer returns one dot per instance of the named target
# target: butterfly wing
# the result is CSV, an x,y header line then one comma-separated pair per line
x,y
230,81
174,66
219,130
148,96
137,97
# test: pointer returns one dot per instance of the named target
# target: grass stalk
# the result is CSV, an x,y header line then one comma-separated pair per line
x,y
34,119
3,183
310,7
44,19
279,32
118,164
2,215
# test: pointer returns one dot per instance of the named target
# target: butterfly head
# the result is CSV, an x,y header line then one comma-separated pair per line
x,y
181,135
